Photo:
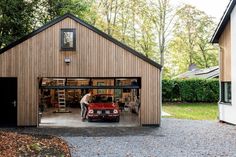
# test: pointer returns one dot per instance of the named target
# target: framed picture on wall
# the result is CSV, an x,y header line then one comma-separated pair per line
x,y
68,39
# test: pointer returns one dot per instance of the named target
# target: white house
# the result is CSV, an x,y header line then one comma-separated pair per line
x,y
225,35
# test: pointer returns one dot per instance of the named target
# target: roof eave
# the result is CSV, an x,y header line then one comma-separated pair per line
x,y
223,22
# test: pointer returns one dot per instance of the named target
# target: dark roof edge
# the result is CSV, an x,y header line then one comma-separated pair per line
x,y
212,76
223,22
94,29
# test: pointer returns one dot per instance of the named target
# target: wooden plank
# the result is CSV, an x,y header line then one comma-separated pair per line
x,y
225,54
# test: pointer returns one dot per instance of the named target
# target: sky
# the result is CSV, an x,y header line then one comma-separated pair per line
x,y
213,8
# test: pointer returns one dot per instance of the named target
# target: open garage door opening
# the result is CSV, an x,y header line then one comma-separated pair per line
x,y
115,102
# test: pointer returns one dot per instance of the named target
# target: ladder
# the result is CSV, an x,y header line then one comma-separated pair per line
x,y
61,94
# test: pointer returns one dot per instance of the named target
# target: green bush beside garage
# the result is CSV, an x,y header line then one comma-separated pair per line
x,y
191,90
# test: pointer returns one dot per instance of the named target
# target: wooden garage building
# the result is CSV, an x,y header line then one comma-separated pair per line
x,y
92,53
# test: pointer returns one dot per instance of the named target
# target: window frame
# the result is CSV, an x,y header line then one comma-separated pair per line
x,y
63,48
223,94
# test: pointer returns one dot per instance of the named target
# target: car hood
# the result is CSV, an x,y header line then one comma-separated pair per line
x,y
102,106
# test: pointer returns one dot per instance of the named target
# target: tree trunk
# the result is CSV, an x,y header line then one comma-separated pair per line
x,y
162,59
204,56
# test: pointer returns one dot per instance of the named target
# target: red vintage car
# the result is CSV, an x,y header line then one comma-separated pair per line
x,y
102,107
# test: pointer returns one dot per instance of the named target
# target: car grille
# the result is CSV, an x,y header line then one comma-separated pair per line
x,y
103,111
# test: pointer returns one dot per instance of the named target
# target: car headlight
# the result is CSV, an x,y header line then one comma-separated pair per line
x,y
90,111
115,111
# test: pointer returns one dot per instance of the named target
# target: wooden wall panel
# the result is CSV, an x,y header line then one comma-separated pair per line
x,y
225,54
95,56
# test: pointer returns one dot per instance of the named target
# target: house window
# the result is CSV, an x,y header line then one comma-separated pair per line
x,y
226,92
68,39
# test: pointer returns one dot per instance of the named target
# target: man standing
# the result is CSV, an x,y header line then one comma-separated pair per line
x,y
84,104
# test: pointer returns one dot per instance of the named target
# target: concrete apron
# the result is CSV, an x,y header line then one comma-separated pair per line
x,y
73,119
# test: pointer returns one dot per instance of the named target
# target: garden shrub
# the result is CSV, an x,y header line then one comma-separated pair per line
x,y
191,90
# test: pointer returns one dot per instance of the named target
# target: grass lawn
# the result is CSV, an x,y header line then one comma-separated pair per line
x,y
194,111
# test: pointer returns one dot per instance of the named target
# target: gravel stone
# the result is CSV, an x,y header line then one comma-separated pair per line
x,y
175,138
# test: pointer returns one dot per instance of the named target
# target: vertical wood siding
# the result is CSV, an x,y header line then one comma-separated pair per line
x,y
225,54
95,56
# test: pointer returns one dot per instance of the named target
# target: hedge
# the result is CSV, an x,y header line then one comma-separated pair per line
x,y
191,90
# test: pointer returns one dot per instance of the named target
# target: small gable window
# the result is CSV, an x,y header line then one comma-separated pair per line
x,y
68,39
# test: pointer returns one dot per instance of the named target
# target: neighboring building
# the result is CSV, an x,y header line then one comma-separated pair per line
x,y
225,35
208,73
68,48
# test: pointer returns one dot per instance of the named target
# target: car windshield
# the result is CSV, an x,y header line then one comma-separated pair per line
x,y
102,99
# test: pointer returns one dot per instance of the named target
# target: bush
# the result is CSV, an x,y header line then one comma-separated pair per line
x,y
192,90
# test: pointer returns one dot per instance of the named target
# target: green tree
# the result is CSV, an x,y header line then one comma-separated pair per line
x,y
190,43
109,10
19,17
207,53
15,19
129,22
124,20
55,8
146,36
162,15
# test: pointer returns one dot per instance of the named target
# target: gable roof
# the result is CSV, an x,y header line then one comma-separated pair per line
x,y
223,22
94,29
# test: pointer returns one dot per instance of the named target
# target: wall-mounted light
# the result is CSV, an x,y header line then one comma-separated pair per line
x,y
67,60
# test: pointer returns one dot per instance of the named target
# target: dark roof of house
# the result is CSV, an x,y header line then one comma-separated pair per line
x,y
94,29
223,22
208,73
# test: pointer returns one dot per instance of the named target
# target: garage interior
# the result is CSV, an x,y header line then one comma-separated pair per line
x,y
60,100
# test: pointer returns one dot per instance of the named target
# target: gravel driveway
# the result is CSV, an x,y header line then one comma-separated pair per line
x,y
175,138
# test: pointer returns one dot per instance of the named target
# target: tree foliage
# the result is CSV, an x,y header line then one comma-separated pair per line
x,y
19,17
50,9
142,24
163,17
15,19
190,43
